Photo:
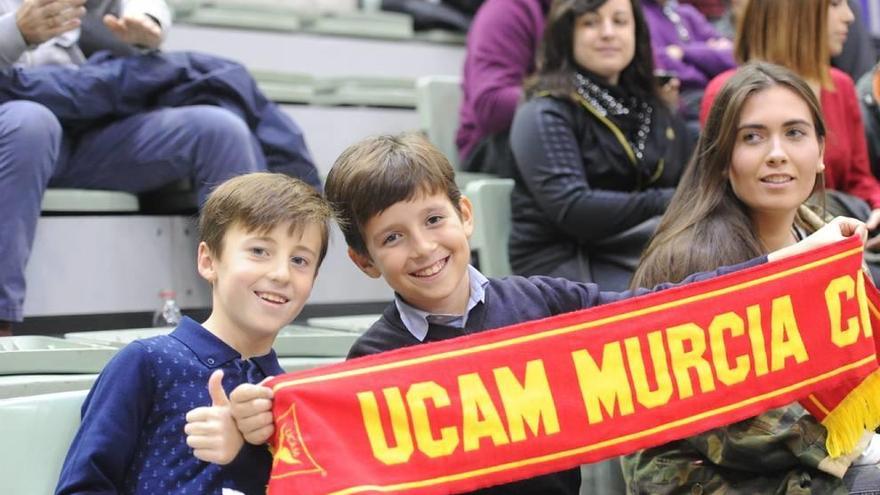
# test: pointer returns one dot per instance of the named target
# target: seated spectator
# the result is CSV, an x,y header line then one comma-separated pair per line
x,y
501,47
772,31
686,45
712,10
597,151
858,55
726,24
730,205
135,152
869,98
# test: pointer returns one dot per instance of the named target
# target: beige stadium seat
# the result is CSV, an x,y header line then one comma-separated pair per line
x,y
88,201
491,200
36,432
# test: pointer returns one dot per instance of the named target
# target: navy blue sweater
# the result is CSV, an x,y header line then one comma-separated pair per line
x,y
131,440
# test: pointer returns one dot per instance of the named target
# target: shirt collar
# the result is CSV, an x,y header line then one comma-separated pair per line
x,y
213,352
416,321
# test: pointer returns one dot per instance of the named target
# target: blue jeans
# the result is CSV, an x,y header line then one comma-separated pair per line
x,y
205,143
863,480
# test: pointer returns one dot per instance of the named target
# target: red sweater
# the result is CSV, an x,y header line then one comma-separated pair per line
x,y
846,152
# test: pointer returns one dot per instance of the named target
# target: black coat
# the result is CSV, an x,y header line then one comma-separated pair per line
x,y
584,206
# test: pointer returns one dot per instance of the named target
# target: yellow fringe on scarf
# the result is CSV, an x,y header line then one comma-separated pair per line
x,y
857,413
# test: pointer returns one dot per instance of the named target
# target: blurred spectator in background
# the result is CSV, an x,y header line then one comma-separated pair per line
x,y
869,97
686,45
858,55
727,23
42,42
597,149
501,47
773,31
712,10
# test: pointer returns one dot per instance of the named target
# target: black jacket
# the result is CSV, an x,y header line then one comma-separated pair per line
x,y
579,189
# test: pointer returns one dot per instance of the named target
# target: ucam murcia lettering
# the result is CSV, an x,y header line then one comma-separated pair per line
x,y
515,404
548,395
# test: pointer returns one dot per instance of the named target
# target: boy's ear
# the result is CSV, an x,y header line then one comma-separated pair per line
x,y
467,215
206,263
364,263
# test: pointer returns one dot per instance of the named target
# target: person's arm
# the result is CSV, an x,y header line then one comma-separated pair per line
x,y
576,295
860,181
113,416
548,156
34,22
777,440
157,9
502,49
709,60
675,64
143,23
704,51
12,43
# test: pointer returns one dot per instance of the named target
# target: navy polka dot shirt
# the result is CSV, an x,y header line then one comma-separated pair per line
x,y
131,439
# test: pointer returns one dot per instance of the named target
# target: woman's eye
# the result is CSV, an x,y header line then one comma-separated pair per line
x,y
589,21
796,133
751,137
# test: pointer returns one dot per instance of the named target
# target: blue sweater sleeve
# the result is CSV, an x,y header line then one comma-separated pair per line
x,y
113,416
563,296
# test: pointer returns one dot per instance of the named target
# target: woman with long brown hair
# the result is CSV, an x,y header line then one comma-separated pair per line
x,y
803,35
759,159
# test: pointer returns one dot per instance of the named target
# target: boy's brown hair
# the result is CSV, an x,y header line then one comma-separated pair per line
x,y
372,175
259,202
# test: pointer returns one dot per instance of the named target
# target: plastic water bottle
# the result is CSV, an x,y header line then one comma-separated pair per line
x,y
168,315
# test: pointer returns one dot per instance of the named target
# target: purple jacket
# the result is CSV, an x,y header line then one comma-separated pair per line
x,y
501,47
700,63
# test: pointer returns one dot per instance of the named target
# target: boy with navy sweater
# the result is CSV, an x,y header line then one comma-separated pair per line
x,y
405,220
263,237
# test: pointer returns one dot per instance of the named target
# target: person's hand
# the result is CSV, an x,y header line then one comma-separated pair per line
x,y
669,93
139,30
41,20
720,44
251,407
872,223
838,229
675,52
211,431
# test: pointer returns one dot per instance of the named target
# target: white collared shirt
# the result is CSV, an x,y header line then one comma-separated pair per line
x,y
417,321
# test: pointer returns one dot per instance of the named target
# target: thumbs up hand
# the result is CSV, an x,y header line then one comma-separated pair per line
x,y
211,430
251,407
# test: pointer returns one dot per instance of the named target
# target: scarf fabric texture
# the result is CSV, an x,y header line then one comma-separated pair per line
x,y
543,396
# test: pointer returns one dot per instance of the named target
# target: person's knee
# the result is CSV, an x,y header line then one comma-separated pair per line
x,y
29,124
217,125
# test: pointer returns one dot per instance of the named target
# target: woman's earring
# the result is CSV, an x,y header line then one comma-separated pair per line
x,y
821,166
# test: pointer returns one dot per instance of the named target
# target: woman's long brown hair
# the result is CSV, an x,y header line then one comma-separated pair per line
x,y
706,225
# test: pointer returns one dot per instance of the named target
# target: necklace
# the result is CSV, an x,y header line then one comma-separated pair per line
x,y
607,104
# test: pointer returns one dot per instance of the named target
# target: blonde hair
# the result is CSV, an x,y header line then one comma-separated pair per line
x,y
790,33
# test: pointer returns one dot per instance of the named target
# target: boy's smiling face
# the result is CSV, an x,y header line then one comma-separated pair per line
x,y
421,249
260,283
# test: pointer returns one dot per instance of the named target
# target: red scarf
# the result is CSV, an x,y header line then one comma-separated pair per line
x,y
548,395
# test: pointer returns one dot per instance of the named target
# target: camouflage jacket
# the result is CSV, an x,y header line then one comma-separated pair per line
x,y
779,452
